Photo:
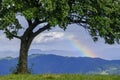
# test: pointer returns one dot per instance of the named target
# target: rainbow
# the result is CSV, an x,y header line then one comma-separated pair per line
x,y
86,52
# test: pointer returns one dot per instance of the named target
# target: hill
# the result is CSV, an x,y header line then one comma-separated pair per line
x,y
42,64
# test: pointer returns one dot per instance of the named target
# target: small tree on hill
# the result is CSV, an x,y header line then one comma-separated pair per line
x,y
100,17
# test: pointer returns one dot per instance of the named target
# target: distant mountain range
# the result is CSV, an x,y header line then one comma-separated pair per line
x,y
39,64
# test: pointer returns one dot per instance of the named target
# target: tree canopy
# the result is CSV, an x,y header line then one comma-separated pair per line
x,y
100,17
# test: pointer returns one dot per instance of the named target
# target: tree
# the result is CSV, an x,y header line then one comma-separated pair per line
x,y
100,17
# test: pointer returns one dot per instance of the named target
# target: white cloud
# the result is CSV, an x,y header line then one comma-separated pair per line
x,y
8,45
2,36
48,36
57,39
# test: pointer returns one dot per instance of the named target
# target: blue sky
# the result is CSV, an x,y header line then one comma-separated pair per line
x,y
56,39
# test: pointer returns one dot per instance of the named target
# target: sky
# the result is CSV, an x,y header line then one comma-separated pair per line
x,y
74,42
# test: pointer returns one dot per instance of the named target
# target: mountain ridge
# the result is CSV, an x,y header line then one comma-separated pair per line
x,y
55,64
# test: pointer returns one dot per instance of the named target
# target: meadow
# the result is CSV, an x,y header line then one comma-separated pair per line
x,y
60,77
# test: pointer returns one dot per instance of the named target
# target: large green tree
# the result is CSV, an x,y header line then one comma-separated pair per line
x,y
100,17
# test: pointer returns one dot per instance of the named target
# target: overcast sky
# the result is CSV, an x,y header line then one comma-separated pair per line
x,y
57,39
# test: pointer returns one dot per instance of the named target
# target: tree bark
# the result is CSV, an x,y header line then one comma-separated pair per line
x,y
22,67
26,40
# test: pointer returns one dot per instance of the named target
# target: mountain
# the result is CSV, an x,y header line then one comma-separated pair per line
x,y
58,52
39,64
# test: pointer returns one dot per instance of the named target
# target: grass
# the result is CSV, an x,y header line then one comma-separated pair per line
x,y
60,77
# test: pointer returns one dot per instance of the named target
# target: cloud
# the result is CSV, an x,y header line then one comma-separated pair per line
x,y
8,45
9,53
2,36
48,36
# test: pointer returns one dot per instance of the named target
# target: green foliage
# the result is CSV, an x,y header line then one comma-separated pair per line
x,y
60,77
102,17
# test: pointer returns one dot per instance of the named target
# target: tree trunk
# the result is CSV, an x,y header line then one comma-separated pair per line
x,y
26,40
22,67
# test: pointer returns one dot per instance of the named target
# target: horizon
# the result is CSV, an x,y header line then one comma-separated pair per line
x,y
60,40
10,57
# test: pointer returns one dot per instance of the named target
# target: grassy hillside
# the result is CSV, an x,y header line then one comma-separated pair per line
x,y
60,77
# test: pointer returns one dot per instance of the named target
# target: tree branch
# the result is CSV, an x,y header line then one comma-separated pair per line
x,y
18,37
41,30
82,21
34,24
29,22
77,19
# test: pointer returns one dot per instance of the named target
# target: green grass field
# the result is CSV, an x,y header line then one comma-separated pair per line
x,y
60,77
